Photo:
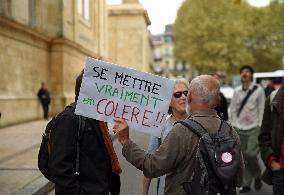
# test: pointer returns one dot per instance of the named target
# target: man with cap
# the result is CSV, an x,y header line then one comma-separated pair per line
x,y
247,106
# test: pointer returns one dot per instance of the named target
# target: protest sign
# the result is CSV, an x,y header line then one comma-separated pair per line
x,y
110,90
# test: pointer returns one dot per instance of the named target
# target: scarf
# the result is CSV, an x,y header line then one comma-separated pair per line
x,y
108,142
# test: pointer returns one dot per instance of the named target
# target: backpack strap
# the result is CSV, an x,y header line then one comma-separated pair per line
x,y
199,130
246,99
194,126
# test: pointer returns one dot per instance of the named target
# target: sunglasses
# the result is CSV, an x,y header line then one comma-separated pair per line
x,y
178,94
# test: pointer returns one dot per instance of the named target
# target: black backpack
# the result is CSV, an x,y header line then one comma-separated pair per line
x,y
217,162
46,147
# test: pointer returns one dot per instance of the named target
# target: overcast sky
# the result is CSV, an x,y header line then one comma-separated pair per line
x,y
162,12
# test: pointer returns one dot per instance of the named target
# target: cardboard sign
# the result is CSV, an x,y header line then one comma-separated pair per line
x,y
109,91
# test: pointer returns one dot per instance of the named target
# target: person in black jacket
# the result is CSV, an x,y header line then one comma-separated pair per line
x,y
222,106
44,98
269,88
98,164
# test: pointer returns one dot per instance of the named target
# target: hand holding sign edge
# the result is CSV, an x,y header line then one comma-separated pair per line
x,y
121,130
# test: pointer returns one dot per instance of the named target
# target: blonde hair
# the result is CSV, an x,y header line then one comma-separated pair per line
x,y
183,81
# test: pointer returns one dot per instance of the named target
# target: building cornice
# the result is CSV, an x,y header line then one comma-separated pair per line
x,y
8,23
20,33
73,45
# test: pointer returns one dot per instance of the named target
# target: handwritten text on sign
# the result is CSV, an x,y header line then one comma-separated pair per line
x,y
109,91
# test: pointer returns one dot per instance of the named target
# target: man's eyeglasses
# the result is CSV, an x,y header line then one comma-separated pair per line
x,y
178,94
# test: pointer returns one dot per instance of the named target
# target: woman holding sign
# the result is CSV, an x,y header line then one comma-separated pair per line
x,y
177,112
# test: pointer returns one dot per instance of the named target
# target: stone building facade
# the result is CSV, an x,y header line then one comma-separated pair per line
x,y
49,40
46,40
129,40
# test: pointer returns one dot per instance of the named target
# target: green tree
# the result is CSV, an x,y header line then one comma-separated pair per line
x,y
221,35
265,40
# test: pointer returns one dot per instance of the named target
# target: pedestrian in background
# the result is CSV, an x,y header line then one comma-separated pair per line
x,y
177,155
44,98
269,88
271,141
222,106
177,112
247,107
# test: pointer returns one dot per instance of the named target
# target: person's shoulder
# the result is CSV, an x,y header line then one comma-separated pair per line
x,y
68,113
178,125
181,130
257,86
182,134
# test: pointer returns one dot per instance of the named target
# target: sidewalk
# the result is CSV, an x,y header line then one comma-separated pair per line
x,y
18,159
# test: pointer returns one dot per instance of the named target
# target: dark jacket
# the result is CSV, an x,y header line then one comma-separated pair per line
x,y
43,96
271,133
95,165
222,109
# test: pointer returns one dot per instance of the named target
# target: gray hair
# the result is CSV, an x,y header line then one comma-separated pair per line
x,y
205,89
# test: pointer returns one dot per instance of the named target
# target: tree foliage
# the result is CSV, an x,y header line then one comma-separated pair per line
x,y
222,35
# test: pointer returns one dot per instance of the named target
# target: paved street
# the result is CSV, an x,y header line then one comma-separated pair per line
x,y
131,177
18,155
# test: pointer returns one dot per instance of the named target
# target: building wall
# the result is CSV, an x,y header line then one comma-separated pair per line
x,y
128,36
45,40
23,65
67,61
91,34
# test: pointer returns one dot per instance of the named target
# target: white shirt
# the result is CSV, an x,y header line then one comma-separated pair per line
x,y
252,112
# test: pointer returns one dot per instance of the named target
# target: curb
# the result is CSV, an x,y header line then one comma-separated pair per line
x,y
40,186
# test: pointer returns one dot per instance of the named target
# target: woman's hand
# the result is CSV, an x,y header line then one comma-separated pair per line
x,y
121,129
